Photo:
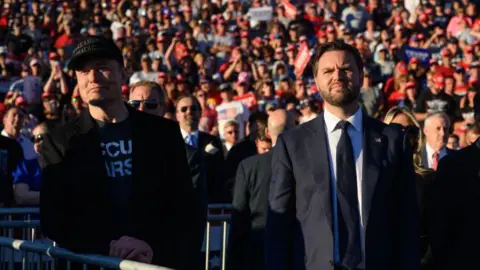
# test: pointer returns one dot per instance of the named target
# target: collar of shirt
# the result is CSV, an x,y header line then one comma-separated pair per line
x,y
430,152
331,120
5,134
185,134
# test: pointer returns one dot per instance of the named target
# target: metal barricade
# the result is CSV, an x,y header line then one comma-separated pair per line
x,y
215,238
38,256
20,216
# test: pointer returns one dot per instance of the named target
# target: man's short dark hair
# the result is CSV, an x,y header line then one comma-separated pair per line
x,y
335,46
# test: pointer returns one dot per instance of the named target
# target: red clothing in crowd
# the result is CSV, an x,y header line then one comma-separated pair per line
x,y
63,41
446,71
248,99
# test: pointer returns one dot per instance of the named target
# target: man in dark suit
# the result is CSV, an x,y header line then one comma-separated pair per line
x,y
149,97
115,181
342,194
188,112
250,201
454,222
10,156
436,129
244,149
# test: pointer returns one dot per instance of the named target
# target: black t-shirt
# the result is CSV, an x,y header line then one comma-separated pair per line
x,y
116,145
10,156
429,103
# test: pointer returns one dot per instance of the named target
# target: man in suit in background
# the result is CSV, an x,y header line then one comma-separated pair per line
x,y
148,97
342,194
244,149
188,112
250,201
436,129
454,222
116,166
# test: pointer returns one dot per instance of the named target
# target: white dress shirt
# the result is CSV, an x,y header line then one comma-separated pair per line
x,y
430,153
185,135
355,131
26,144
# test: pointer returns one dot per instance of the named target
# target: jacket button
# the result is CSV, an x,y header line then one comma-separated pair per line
x,y
331,262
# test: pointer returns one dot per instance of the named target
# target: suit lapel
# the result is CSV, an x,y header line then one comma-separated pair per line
x,y
319,163
141,148
424,157
87,142
373,146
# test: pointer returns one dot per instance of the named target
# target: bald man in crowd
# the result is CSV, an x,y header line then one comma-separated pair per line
x,y
250,201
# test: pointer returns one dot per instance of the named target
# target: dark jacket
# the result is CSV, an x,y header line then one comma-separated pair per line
x,y
299,222
197,170
454,221
11,155
73,205
214,166
250,205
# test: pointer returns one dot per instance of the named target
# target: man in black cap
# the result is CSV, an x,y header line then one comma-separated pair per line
x,y
116,181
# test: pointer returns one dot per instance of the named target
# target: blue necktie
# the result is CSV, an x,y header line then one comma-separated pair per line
x,y
347,199
190,140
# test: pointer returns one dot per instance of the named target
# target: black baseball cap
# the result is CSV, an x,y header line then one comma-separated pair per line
x,y
94,46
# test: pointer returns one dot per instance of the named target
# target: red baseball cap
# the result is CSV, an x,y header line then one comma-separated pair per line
x,y
53,56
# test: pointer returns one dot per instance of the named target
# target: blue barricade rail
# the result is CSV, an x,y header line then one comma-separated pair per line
x,y
60,253
215,235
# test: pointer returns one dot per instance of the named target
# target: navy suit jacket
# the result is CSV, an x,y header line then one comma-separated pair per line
x,y
299,222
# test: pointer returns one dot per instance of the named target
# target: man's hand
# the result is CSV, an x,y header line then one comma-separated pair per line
x,y
131,249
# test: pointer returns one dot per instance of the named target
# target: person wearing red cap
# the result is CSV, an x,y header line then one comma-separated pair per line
x,y
435,100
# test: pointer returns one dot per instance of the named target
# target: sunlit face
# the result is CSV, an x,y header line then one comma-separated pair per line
x,y
230,133
339,78
12,121
188,113
436,132
100,81
146,99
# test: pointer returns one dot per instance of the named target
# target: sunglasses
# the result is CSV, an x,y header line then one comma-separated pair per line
x,y
148,104
192,108
38,138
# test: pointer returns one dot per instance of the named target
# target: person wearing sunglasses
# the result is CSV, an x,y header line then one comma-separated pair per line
x,y
188,112
26,181
147,96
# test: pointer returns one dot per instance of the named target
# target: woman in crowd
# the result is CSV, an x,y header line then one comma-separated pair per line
x,y
424,177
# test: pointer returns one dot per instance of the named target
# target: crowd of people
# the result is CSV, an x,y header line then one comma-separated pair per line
x,y
233,75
